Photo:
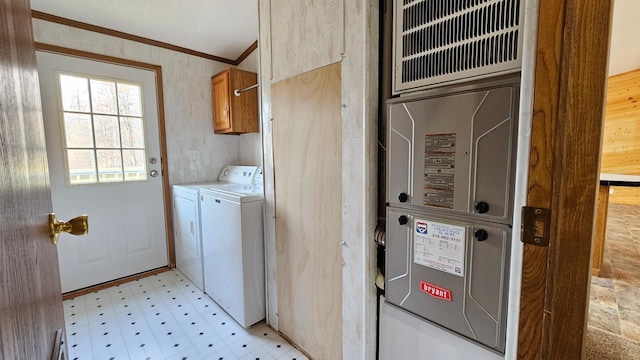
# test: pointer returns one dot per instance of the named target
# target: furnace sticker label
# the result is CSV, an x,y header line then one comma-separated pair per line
x,y
435,291
439,169
439,246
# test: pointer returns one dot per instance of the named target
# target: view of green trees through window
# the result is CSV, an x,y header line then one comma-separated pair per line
x,y
103,130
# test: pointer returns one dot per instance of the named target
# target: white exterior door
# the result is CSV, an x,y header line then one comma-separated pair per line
x,y
101,125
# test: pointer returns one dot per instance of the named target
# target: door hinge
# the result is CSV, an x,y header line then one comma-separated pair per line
x,y
536,223
59,347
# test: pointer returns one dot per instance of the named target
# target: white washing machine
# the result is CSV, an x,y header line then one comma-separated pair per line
x,y
186,219
186,231
232,243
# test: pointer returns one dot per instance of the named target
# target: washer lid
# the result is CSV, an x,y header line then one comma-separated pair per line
x,y
235,192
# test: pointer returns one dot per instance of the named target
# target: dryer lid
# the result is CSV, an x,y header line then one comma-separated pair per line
x,y
238,174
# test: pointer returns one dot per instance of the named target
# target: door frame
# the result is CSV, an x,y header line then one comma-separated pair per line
x,y
566,136
157,69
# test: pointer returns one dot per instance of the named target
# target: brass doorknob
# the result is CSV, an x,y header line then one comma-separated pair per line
x,y
79,225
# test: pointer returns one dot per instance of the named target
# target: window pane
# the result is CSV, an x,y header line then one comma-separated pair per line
x,y
132,132
109,165
74,93
77,130
134,165
129,99
106,130
82,167
103,96
103,130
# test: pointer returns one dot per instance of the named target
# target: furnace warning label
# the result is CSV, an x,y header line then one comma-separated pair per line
x,y
439,169
439,246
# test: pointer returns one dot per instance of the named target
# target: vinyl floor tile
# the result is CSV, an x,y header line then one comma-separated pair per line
x,y
603,296
604,317
164,316
630,330
601,282
614,309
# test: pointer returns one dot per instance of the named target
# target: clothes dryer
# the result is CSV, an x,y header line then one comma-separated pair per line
x,y
233,248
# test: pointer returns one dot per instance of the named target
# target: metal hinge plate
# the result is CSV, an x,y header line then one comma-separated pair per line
x,y
536,223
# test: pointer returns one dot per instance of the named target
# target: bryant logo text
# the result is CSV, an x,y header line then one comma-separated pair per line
x,y
435,291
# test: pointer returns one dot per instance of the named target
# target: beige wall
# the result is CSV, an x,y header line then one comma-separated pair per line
x,y
187,100
624,53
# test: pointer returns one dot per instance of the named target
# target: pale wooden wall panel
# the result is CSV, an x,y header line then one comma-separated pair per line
x,y
359,178
264,12
625,195
305,35
307,164
621,137
352,25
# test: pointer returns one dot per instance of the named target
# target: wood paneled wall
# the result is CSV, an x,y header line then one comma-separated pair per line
x,y
297,37
625,195
305,35
307,157
621,138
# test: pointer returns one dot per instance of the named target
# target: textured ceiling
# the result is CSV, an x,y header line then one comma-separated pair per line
x,y
223,28
226,28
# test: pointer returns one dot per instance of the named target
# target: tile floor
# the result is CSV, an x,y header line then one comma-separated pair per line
x,y
615,295
164,316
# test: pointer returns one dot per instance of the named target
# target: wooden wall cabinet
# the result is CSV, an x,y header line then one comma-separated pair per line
x,y
234,114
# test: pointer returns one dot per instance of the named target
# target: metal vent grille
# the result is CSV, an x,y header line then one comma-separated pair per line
x,y
439,41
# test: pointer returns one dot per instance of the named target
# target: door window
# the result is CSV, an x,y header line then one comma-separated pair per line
x,y
103,126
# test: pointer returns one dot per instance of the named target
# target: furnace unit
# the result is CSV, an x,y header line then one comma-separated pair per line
x,y
450,175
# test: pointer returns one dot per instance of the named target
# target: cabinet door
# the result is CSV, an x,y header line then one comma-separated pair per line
x,y
221,109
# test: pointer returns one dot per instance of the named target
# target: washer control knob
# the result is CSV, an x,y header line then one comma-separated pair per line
x,y
403,220
403,197
481,234
482,207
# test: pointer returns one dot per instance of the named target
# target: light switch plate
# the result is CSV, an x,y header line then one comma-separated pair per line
x,y
194,155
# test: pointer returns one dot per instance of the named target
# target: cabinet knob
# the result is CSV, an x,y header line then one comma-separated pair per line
x,y
482,207
481,235
403,220
403,197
